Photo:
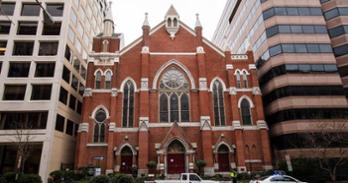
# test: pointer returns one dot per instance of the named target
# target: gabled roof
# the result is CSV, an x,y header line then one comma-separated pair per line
x,y
162,24
172,11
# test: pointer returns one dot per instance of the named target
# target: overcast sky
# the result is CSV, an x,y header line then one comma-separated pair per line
x,y
129,14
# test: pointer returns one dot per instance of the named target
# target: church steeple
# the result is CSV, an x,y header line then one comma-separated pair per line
x,y
172,21
108,22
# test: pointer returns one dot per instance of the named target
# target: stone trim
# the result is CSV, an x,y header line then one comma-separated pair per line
x,y
236,125
83,127
261,124
200,50
144,84
252,66
203,84
112,127
229,67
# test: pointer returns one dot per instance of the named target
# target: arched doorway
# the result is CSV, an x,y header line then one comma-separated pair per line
x,y
223,159
126,160
176,158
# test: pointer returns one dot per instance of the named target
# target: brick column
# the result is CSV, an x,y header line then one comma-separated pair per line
x,y
265,145
110,157
238,131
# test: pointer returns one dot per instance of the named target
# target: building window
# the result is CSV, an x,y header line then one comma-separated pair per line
x,y
66,74
51,29
27,28
48,48
19,69
41,92
23,48
63,96
219,109
5,27
23,120
55,9
97,79
245,80
77,64
45,69
30,9
79,107
3,45
7,8
74,82
246,112
108,77
81,89
70,128
67,54
99,126
239,85
14,92
60,121
72,102
174,97
128,105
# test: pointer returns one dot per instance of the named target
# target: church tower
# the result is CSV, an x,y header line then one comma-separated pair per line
x,y
172,21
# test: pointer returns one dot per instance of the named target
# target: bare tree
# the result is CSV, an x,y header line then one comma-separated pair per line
x,y
329,146
23,141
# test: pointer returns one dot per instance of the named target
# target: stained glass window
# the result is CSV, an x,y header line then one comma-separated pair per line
x,y
246,112
174,98
128,105
219,114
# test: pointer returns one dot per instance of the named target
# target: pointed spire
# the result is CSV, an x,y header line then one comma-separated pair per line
x,y
146,21
172,11
108,15
108,21
198,22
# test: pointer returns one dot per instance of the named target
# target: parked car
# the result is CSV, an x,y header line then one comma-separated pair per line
x,y
184,178
276,179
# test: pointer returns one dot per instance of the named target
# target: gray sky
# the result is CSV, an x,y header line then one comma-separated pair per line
x,y
129,14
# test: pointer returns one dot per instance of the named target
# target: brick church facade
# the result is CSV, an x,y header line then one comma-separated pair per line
x,y
174,98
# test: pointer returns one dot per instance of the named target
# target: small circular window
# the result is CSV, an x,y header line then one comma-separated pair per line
x,y
100,116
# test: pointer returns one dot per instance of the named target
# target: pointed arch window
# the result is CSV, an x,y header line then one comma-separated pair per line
x,y
128,105
108,77
219,114
246,112
238,80
175,22
174,97
98,75
245,80
99,126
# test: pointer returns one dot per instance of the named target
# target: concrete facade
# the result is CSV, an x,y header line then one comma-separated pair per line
x,y
293,53
74,42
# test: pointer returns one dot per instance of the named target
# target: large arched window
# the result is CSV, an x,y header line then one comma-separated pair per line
x,y
99,126
174,97
245,112
108,76
128,105
98,75
219,114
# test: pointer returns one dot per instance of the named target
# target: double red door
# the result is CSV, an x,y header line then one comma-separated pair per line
x,y
126,164
224,163
176,163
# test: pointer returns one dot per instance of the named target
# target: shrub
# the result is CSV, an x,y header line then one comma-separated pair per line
x,y
29,178
62,176
121,178
200,164
8,177
100,179
125,179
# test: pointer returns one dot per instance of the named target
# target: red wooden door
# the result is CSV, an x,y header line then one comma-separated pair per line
x,y
126,164
176,163
224,163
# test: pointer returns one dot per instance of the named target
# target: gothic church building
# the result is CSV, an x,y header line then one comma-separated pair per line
x,y
171,97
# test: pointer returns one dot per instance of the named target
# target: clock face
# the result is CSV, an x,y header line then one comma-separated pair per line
x,y
173,79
